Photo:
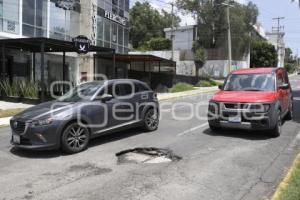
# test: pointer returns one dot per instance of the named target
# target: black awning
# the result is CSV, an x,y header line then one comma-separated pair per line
x,y
136,58
51,45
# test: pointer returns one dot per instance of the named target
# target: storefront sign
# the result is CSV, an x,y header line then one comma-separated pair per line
x,y
115,18
82,44
66,4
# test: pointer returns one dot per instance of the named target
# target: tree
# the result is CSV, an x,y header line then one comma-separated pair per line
x,y
146,23
290,61
212,24
263,54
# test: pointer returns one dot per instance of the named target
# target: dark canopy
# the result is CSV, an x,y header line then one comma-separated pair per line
x,y
50,45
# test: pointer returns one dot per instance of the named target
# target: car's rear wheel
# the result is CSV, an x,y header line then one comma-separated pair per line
x,y
75,138
276,132
151,120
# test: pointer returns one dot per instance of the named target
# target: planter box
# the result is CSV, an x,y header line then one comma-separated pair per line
x,y
30,101
12,99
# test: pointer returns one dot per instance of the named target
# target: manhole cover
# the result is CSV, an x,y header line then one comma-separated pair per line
x,y
146,155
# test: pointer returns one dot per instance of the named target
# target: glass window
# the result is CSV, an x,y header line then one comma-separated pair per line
x,y
34,17
59,22
1,15
120,35
9,12
115,2
107,6
115,9
250,82
121,4
100,3
126,37
121,13
126,5
114,32
106,30
99,28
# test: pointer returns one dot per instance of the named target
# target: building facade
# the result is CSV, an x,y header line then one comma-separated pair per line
x,y
104,22
277,40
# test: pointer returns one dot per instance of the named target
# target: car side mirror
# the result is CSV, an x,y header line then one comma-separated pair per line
x,y
106,97
221,87
284,86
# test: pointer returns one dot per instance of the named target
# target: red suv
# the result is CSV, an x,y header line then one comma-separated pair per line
x,y
253,99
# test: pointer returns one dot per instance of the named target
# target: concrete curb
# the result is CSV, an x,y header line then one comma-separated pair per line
x,y
286,180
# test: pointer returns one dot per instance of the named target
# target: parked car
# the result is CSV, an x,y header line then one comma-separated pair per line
x,y
253,99
87,111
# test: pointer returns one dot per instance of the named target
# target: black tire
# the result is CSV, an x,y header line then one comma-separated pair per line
x,y
214,128
75,138
276,131
289,115
151,120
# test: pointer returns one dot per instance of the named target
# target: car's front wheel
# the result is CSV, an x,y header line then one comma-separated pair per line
x,y
289,115
214,128
276,131
75,138
151,120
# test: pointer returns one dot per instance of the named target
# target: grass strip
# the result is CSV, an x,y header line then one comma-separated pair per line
x,y
289,188
10,112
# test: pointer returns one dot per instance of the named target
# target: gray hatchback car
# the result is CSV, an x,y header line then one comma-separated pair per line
x,y
87,111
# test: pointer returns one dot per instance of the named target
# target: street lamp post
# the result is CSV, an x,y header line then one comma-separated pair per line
x,y
228,35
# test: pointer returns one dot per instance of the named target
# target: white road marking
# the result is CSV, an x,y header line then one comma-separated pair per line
x,y
192,129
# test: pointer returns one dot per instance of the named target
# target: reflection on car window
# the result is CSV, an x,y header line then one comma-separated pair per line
x,y
250,82
81,92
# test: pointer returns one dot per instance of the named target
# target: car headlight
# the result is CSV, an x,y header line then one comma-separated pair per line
x,y
213,107
260,108
42,122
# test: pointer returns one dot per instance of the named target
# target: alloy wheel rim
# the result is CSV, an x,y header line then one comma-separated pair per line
x,y
76,137
151,119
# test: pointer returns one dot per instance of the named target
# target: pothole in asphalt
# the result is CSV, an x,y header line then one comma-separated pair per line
x,y
148,155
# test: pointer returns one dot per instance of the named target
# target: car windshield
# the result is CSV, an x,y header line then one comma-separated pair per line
x,y
250,82
83,92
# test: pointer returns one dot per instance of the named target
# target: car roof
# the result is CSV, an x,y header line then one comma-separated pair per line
x,y
261,70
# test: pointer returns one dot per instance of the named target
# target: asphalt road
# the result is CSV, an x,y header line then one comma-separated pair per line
x,y
229,165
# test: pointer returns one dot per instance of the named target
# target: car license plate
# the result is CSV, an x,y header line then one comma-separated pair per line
x,y
235,119
16,139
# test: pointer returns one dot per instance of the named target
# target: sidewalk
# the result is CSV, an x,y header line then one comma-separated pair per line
x,y
202,90
9,105
161,97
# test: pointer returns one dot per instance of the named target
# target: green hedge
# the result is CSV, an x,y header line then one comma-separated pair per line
x,y
181,87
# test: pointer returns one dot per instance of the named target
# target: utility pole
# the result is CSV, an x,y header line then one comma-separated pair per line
x,y
228,35
278,29
172,32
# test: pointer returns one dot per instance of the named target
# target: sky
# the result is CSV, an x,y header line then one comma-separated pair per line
x,y
268,9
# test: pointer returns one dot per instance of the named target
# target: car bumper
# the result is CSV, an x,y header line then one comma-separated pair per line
x,y
39,138
249,120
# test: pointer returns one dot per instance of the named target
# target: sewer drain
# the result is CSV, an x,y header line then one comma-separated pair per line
x,y
149,155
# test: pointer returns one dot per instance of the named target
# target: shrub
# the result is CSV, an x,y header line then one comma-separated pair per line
x,y
180,87
290,68
11,90
29,89
206,83
159,43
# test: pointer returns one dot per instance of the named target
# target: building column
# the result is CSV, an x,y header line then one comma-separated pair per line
x,y
3,62
42,71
